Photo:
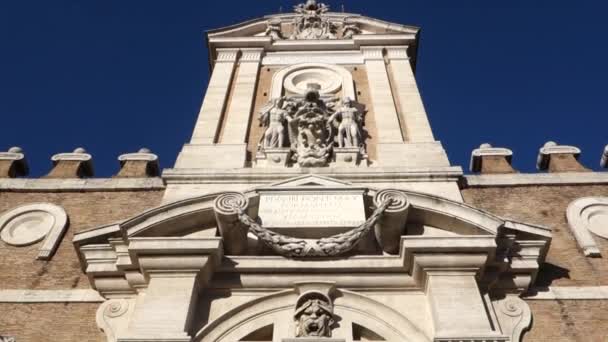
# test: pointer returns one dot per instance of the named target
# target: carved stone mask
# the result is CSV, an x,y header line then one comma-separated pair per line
x,y
314,318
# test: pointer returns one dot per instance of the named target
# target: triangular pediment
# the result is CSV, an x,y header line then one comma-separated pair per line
x,y
311,180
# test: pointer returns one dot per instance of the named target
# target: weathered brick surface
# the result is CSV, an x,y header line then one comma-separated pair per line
x,y
495,165
364,97
565,163
50,322
137,169
546,205
18,265
568,321
262,96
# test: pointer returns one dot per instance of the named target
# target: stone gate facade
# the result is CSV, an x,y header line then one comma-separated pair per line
x,y
312,203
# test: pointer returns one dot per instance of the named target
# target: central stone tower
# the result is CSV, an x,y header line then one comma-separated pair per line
x,y
313,92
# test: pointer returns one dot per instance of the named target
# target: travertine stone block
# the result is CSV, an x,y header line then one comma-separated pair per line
x,y
456,305
273,158
78,164
412,112
209,118
559,158
238,114
491,160
387,121
13,163
163,313
212,156
138,165
412,155
348,157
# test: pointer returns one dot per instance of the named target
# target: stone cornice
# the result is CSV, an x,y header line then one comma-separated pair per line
x,y
87,185
368,175
529,179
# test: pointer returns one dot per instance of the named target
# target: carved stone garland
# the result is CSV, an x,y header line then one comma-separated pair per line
x,y
331,246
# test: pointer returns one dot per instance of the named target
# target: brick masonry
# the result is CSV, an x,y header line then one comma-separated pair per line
x,y
559,320
19,267
546,205
568,321
50,322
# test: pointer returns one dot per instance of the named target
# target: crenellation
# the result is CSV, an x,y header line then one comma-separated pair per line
x,y
556,158
138,165
491,160
13,163
78,164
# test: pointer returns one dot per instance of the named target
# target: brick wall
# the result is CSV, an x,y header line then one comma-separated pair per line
x,y
50,322
568,321
546,205
18,265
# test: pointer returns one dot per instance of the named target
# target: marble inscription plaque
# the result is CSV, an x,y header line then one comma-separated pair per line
x,y
311,209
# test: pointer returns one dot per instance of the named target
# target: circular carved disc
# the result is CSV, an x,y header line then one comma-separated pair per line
x,y
597,216
27,228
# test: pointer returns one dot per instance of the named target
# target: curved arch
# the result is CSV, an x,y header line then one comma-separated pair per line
x,y
348,88
246,318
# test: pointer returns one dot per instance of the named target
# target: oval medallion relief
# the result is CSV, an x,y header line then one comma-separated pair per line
x,y
330,82
29,224
27,228
589,215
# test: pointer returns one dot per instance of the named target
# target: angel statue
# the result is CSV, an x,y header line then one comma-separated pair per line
x,y
274,116
349,127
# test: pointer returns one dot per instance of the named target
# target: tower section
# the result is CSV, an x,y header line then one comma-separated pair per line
x,y
313,91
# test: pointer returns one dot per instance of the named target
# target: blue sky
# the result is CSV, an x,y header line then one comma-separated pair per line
x,y
113,76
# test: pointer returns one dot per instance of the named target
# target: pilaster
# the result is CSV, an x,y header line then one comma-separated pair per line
x,y
209,118
238,114
412,113
382,100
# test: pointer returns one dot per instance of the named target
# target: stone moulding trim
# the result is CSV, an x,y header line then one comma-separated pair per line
x,y
523,179
83,157
327,57
149,157
50,296
67,185
568,293
368,175
579,213
12,156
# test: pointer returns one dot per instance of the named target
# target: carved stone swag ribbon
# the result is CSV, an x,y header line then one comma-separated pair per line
x,y
325,247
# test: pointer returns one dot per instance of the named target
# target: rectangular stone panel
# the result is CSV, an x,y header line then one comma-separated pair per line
x,y
311,213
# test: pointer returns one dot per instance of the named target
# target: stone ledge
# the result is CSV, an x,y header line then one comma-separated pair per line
x,y
77,184
569,293
50,296
371,174
522,179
